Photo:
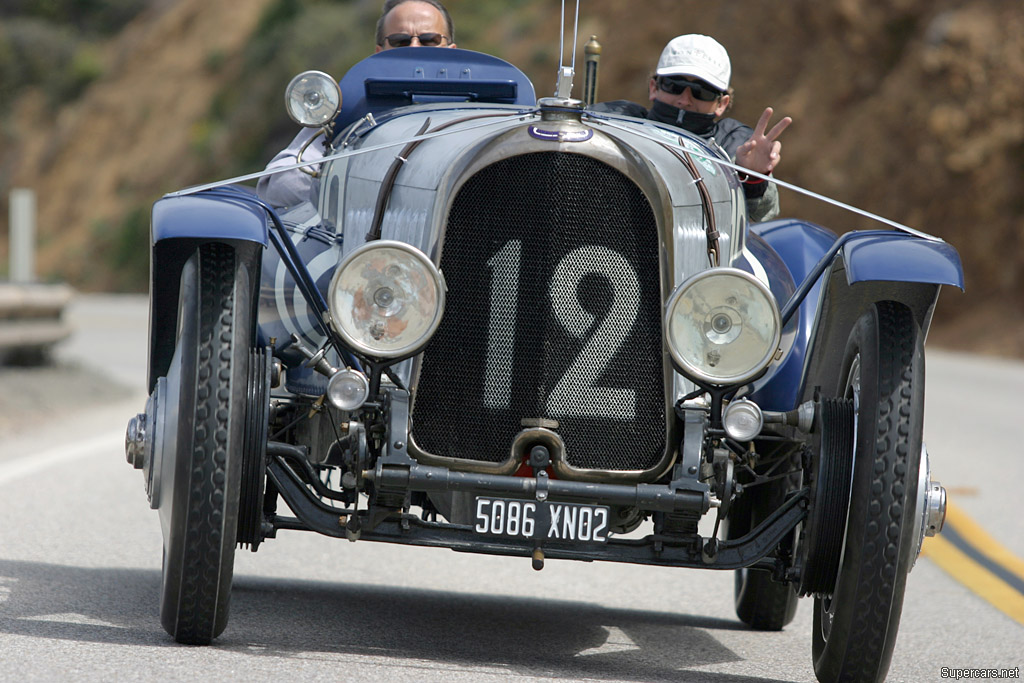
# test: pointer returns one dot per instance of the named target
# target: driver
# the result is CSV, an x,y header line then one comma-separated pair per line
x,y
402,23
690,90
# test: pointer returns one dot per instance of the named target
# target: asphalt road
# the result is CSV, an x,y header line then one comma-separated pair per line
x,y
80,564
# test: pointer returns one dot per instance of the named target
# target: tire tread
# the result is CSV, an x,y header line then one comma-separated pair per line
x,y
870,591
202,610
869,630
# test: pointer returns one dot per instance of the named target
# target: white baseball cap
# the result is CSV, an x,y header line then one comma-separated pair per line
x,y
698,56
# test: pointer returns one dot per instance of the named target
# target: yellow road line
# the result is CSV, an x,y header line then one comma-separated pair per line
x,y
981,540
972,574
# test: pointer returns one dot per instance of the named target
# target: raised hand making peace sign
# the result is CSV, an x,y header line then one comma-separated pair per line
x,y
763,151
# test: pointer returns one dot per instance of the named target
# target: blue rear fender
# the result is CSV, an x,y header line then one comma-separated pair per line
x,y
795,247
179,225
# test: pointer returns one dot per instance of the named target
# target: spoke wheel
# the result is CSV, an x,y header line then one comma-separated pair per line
x,y
208,381
883,373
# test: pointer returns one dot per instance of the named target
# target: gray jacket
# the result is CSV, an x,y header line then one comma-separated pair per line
x,y
762,198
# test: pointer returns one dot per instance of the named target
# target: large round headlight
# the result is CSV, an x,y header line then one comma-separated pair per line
x,y
312,99
386,299
723,326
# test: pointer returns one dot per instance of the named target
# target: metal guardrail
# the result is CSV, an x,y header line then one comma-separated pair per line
x,y
31,320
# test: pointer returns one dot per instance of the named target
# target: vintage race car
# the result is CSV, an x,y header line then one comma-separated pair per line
x,y
523,327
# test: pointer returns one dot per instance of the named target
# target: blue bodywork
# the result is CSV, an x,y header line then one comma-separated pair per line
x,y
789,250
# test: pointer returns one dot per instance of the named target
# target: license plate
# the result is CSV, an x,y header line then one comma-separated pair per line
x,y
541,520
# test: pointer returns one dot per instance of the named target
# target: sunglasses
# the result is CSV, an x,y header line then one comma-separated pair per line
x,y
700,91
425,39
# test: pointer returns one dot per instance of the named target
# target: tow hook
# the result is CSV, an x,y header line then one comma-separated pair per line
x,y
538,558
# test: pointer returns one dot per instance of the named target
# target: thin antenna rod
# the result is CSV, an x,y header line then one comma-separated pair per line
x,y
561,39
563,85
575,35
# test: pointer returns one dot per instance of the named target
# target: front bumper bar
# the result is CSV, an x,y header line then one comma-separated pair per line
x,y
402,528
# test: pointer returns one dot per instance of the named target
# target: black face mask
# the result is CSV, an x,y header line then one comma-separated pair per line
x,y
698,124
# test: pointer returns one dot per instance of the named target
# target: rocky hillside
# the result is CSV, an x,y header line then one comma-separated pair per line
x,y
912,109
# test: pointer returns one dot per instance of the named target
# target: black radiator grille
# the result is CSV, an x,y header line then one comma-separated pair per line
x,y
553,311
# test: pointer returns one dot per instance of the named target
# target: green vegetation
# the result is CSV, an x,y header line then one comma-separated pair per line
x,y
88,17
123,249
54,44
33,52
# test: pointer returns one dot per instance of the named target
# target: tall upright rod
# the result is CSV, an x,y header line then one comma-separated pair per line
x,y
592,59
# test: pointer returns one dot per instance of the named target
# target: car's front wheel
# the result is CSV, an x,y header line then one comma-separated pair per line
x,y
883,373
207,382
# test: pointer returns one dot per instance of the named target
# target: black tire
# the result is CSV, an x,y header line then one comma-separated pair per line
x,y
761,602
200,513
855,627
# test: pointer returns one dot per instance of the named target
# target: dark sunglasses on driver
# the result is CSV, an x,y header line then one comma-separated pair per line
x,y
674,85
426,39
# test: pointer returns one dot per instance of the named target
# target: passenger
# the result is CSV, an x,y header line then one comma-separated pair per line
x,y
402,23
690,89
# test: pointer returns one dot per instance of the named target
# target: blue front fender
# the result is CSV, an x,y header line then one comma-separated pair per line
x,y
866,268
179,224
209,217
898,257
